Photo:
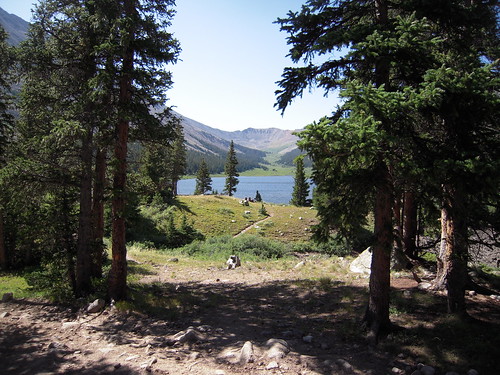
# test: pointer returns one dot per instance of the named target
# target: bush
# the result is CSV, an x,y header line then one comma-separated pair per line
x,y
224,246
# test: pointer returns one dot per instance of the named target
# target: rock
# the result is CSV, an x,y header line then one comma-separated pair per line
x,y
300,264
219,372
173,260
308,339
69,325
272,365
4,314
427,370
424,285
233,262
344,365
96,306
472,372
7,297
246,353
189,336
471,293
495,297
362,263
277,348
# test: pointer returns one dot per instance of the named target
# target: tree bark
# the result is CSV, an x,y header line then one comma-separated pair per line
x,y
98,212
452,259
117,287
85,244
3,249
377,313
410,225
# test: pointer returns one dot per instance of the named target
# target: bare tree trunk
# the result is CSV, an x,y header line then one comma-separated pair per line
x,y
85,244
117,287
453,254
98,212
3,249
410,225
377,313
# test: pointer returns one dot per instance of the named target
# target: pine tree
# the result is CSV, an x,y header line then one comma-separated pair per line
x,y
203,179
6,122
230,171
301,187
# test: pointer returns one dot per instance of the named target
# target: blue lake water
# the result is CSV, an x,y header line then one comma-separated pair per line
x,y
273,189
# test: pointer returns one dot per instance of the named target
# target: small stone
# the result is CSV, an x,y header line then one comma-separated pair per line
x,y
308,339
117,366
342,363
4,314
300,264
7,297
131,358
427,370
173,260
471,293
272,365
96,306
424,285
219,372
472,372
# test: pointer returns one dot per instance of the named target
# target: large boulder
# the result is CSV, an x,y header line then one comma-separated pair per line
x,y
362,263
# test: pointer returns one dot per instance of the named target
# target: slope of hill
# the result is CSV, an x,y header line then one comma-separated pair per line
x,y
15,27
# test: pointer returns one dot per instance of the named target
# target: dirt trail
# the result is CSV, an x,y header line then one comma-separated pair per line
x,y
225,308
253,225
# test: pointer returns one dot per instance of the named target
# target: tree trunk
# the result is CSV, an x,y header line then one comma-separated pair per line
x,y
3,249
410,225
98,212
453,254
117,287
85,244
377,313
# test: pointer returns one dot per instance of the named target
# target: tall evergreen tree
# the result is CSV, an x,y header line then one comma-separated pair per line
x,y
203,179
230,171
301,187
144,46
386,50
6,121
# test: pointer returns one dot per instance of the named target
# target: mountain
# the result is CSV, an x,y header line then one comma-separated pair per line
x,y
252,146
15,27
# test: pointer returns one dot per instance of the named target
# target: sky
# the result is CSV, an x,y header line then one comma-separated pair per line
x,y
232,55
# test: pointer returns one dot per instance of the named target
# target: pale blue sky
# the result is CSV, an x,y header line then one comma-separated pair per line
x,y
232,55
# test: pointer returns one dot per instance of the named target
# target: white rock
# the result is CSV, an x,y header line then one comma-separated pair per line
x,y
277,348
4,314
272,365
300,264
246,353
96,306
362,264
424,285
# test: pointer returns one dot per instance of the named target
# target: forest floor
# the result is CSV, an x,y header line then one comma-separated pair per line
x,y
300,316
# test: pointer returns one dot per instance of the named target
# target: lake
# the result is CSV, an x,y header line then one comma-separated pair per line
x,y
273,189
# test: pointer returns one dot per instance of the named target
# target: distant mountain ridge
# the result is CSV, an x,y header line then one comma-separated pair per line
x,y
15,27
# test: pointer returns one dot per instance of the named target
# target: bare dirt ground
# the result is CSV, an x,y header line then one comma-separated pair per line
x,y
294,325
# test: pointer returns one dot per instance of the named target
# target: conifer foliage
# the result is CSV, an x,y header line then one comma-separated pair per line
x,y
397,66
230,171
301,186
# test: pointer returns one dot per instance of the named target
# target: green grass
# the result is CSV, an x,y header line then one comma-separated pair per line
x,y
214,216
17,284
